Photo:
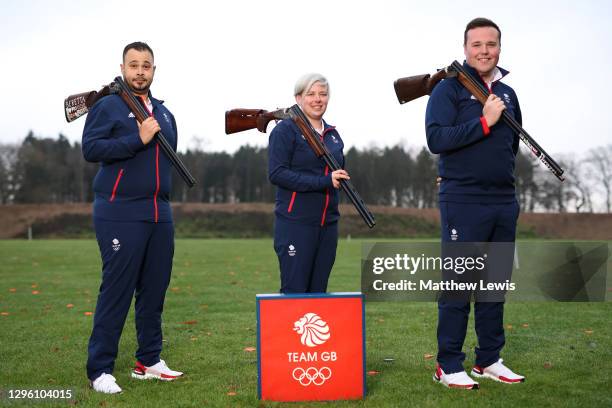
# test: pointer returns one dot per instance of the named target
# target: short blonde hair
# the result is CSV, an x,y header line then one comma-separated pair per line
x,y
307,81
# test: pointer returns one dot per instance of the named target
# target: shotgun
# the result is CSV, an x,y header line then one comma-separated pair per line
x,y
78,105
410,88
237,120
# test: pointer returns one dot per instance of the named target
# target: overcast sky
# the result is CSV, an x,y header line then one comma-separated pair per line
x,y
214,56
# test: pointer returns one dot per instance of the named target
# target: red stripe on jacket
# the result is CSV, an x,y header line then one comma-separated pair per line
x,y
326,199
291,202
116,184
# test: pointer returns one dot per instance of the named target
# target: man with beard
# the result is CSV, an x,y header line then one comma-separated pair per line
x,y
133,223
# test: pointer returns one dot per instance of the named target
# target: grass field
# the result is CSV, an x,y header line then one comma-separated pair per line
x,y
48,290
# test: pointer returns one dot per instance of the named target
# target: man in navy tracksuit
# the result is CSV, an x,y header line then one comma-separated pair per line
x,y
477,196
306,211
133,223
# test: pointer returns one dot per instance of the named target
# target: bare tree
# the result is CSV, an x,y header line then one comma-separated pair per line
x,y
579,191
525,169
600,160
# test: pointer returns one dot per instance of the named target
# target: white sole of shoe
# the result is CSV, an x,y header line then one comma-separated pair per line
x,y
146,376
491,377
104,392
437,380
109,393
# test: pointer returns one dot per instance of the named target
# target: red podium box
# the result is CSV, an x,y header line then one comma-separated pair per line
x,y
311,347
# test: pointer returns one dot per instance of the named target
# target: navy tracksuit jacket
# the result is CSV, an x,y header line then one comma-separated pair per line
x,y
477,202
306,209
133,224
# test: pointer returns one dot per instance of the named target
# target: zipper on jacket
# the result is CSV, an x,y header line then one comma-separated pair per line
x,y
156,164
117,180
326,173
486,84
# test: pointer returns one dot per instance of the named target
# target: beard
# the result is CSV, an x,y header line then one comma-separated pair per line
x,y
142,89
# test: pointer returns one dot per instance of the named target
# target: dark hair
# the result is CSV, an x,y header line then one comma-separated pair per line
x,y
480,22
138,46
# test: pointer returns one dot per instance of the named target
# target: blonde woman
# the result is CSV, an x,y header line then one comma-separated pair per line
x,y
306,211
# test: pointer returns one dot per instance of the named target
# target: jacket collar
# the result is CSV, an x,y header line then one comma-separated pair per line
x,y
327,125
327,128
155,102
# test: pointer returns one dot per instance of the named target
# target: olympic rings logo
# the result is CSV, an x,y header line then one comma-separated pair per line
x,y
311,375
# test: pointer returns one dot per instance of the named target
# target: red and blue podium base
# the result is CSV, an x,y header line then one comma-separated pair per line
x,y
311,347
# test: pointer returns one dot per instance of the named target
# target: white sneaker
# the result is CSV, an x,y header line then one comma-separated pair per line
x,y
159,371
107,384
498,372
455,380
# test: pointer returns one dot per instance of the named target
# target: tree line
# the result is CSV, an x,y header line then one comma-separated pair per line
x,y
47,170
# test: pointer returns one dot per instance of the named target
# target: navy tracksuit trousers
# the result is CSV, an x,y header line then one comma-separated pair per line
x,y
136,260
306,254
469,222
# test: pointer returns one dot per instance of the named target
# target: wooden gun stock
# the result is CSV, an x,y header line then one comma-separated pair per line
x,y
238,120
78,105
413,87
